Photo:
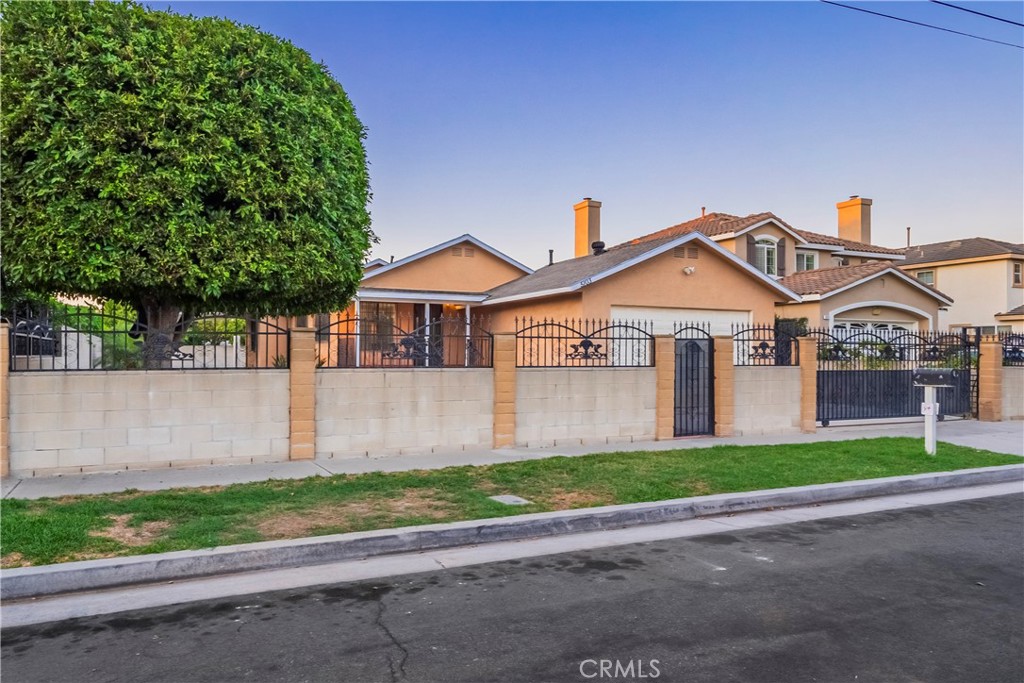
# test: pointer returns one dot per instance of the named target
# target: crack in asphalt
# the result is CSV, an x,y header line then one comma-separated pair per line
x,y
379,622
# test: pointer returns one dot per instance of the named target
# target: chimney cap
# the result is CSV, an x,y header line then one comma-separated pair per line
x,y
854,196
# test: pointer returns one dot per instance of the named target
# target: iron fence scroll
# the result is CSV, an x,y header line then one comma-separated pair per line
x,y
360,342
583,343
764,345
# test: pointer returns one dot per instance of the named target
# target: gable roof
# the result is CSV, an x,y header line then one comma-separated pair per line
x,y
569,276
441,247
720,224
1013,311
849,245
822,283
954,250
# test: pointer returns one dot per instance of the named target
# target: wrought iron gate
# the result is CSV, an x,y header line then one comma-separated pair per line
x,y
694,382
865,375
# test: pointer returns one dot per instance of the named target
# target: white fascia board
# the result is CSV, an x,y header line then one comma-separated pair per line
x,y
898,273
441,247
766,221
530,295
870,254
820,247
684,239
410,295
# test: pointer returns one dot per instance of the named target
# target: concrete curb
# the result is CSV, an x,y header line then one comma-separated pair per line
x,y
69,577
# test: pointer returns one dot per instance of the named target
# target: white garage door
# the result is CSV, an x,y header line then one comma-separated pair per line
x,y
665,319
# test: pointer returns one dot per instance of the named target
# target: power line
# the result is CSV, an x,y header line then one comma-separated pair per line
x,y
918,23
980,14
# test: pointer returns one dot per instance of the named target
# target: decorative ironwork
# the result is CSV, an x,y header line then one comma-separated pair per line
x,y
694,382
1013,349
583,343
868,375
360,342
764,345
79,338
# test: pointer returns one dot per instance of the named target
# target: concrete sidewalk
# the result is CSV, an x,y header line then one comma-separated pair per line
x,y
1001,437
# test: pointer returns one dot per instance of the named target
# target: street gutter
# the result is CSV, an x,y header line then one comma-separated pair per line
x,y
30,582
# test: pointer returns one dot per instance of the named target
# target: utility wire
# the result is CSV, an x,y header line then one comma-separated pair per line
x,y
980,14
918,23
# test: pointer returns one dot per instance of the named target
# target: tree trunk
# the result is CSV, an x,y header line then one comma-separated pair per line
x,y
164,327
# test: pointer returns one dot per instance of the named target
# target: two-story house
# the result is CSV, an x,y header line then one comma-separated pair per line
x,y
984,276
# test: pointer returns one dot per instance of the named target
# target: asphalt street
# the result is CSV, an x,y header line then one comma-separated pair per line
x,y
931,593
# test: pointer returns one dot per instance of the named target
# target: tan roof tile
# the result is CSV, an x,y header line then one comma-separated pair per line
x,y
825,280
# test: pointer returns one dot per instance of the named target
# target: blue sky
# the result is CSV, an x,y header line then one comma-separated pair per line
x,y
494,118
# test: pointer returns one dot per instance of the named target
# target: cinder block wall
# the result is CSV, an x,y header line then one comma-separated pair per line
x,y
382,412
584,405
70,422
1013,393
767,400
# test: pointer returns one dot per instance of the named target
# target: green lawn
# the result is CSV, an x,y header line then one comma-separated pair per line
x,y
85,527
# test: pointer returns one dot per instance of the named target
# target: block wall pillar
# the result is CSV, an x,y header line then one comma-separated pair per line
x,y
504,390
990,380
302,401
725,380
665,398
808,385
5,400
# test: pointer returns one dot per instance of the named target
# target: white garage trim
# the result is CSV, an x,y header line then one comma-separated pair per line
x,y
887,304
665,319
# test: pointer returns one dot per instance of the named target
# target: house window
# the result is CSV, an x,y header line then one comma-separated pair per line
x,y
1018,274
926,276
806,260
765,258
377,325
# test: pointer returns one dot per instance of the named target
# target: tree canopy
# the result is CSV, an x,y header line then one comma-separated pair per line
x,y
176,163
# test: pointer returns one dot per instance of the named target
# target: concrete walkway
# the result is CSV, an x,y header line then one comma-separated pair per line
x,y
1001,437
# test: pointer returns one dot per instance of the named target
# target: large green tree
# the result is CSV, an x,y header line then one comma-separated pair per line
x,y
179,164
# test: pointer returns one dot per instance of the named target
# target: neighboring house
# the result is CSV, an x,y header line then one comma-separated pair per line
x,y
985,277
842,282
1014,319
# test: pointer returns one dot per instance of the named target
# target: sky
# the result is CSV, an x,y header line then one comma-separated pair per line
x,y
495,118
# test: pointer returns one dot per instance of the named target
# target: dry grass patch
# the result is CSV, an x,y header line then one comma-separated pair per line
x,y
131,536
300,523
697,487
12,560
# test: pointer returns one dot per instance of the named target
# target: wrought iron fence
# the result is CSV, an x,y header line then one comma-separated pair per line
x,y
1013,349
764,345
79,338
866,375
583,343
359,342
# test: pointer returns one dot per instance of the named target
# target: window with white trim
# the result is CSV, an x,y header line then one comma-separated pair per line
x,y
926,276
806,260
1018,274
766,257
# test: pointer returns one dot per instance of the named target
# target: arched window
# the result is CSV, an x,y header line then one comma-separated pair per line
x,y
766,257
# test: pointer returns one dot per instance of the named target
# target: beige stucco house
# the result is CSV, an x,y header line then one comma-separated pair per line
x,y
718,270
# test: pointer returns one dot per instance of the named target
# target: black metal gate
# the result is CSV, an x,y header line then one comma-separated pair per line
x,y
694,382
866,376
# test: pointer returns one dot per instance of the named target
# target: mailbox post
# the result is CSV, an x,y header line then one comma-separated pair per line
x,y
931,379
